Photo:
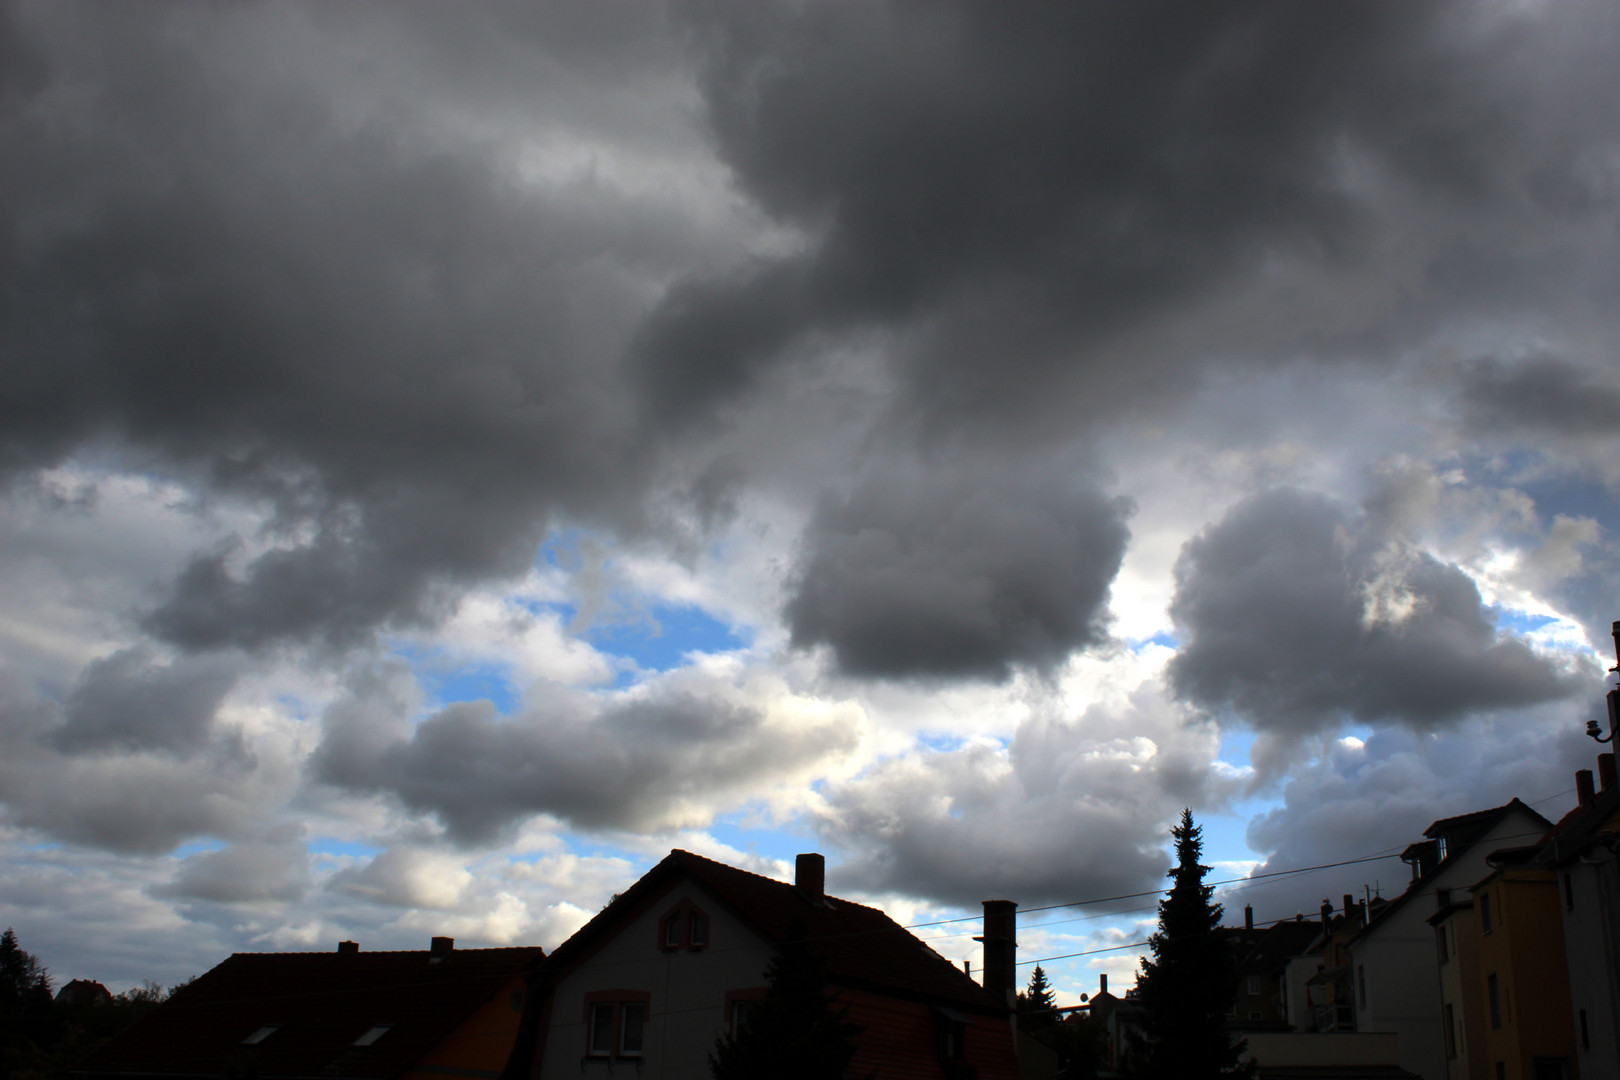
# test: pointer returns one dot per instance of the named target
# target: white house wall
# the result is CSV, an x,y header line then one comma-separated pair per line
x,y
1593,953
1399,959
686,1010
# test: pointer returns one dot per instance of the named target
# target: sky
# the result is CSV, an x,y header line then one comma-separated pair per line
x,y
452,454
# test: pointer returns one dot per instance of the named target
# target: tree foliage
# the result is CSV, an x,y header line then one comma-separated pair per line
x,y
1190,984
795,1032
1036,1003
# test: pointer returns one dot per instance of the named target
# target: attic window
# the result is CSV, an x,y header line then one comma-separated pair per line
x,y
683,927
261,1035
375,1032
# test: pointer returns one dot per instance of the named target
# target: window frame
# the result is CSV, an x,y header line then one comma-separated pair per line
x,y
747,997
678,922
612,1004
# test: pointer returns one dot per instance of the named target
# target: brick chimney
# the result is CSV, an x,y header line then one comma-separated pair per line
x,y
810,875
346,948
1248,916
1104,989
1583,787
1349,910
440,948
1605,771
1000,948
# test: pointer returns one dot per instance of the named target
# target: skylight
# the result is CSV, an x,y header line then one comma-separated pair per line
x,y
376,1032
261,1035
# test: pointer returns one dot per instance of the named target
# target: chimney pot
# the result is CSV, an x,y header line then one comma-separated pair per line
x,y
1605,771
1248,916
810,875
1000,946
347,947
1583,787
442,947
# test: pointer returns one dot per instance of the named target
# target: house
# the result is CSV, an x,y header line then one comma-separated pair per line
x,y
1394,983
83,993
658,975
1581,854
1263,958
1462,1025
424,1015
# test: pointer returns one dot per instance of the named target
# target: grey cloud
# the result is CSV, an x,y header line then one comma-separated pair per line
x,y
137,782
327,295
1542,395
128,702
957,572
274,867
1297,616
1027,187
1357,801
669,756
1071,809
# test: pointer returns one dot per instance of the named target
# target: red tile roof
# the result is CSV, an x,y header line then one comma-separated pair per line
x,y
323,1002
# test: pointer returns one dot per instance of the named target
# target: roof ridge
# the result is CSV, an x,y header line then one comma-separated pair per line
x,y
728,868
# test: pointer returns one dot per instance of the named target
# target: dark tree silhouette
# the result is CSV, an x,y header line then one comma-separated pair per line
x,y
795,1032
1189,985
1035,1004
27,1018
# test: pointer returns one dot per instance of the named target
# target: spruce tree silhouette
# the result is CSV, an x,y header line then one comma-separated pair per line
x,y
1190,983
795,1032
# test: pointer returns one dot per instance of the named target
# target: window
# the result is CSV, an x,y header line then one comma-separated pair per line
x,y
615,1023
684,926
1451,1031
1254,1014
1493,994
739,1004
262,1034
950,1033
1485,925
372,1034
1254,984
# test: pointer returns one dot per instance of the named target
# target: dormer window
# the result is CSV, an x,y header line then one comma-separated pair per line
x,y
373,1033
684,927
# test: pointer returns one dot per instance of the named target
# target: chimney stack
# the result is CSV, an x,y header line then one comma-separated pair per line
x,y
1349,909
1605,771
346,948
1248,916
1000,947
1104,989
441,947
810,876
1583,787
1327,915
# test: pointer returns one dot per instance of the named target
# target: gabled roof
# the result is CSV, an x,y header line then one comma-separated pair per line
x,y
322,1003
1576,830
1461,832
860,946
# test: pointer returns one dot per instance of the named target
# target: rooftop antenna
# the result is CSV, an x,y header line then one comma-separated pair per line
x,y
1593,728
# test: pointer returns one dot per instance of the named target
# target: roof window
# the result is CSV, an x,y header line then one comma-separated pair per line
x,y
375,1032
261,1035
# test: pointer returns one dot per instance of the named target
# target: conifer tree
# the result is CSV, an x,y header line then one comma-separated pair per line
x,y
795,1032
1036,1002
1189,985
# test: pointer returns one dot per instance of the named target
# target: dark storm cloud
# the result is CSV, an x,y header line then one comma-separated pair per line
x,y
961,572
1543,395
1027,184
1069,810
1297,615
657,761
325,294
128,702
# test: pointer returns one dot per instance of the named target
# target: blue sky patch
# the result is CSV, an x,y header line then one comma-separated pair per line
x,y
331,845
661,641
